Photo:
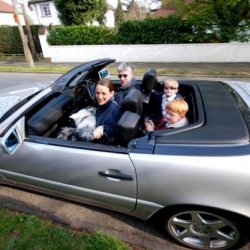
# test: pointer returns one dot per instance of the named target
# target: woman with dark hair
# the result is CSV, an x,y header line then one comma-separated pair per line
x,y
107,112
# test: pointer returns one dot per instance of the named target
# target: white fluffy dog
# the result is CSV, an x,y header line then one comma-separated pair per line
x,y
67,133
85,124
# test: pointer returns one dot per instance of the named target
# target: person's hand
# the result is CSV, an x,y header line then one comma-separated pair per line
x,y
149,126
98,132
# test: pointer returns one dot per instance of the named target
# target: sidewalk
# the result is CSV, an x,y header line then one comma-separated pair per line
x,y
175,69
203,69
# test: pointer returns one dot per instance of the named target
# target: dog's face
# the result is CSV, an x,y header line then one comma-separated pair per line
x,y
84,118
80,116
65,133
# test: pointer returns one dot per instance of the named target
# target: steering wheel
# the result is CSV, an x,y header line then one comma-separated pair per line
x,y
91,90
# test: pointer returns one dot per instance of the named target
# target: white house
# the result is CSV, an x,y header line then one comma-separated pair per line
x,y
43,12
6,14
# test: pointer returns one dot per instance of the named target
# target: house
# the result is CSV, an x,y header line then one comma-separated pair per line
x,y
167,10
6,14
163,12
46,13
43,12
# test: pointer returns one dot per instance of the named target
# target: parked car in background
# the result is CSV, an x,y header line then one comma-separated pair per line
x,y
195,178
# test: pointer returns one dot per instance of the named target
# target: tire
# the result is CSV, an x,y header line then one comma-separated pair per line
x,y
205,229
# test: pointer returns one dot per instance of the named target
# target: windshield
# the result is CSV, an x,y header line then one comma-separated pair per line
x,y
7,102
10,103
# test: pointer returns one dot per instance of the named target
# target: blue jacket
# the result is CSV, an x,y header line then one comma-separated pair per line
x,y
108,116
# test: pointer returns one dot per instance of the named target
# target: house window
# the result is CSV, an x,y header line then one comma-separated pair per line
x,y
45,10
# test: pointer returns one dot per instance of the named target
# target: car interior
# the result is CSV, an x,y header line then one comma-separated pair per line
x,y
52,113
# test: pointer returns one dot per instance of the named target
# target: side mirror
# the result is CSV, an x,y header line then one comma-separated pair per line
x,y
12,139
11,142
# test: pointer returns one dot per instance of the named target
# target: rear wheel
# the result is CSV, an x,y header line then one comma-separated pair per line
x,y
200,229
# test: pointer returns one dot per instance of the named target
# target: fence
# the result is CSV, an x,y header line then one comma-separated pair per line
x,y
210,52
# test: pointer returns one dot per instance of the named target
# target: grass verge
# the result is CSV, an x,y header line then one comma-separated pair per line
x,y
19,231
60,69
36,69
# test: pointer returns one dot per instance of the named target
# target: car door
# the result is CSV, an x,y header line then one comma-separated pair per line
x,y
95,174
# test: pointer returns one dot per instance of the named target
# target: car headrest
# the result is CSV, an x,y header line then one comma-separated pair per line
x,y
148,81
127,127
132,101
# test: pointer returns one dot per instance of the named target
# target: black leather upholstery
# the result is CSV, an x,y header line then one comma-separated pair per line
x,y
132,101
128,124
49,115
148,84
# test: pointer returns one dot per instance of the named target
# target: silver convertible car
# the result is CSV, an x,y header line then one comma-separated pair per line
x,y
196,179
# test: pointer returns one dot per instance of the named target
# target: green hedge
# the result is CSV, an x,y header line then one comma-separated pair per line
x,y
79,35
155,31
167,30
10,41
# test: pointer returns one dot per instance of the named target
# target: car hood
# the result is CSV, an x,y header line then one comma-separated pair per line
x,y
10,96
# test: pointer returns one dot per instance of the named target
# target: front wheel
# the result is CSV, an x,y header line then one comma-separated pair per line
x,y
200,229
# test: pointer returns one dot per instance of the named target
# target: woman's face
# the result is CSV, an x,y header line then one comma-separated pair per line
x,y
103,94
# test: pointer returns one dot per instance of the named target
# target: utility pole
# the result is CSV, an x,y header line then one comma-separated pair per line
x,y
29,33
26,49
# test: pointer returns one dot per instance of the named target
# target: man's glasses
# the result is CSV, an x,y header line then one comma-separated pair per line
x,y
120,76
172,88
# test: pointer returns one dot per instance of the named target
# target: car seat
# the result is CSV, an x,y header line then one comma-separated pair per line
x,y
128,124
148,84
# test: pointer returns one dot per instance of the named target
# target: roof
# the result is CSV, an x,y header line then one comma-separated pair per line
x,y
110,7
162,12
5,7
165,11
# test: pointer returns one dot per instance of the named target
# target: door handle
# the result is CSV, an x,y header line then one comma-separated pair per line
x,y
113,173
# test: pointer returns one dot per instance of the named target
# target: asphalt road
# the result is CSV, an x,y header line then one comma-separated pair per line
x,y
8,79
142,235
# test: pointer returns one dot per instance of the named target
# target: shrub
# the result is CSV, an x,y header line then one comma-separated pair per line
x,y
80,35
155,31
10,41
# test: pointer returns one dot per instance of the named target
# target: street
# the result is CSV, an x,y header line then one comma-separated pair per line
x,y
7,79
139,234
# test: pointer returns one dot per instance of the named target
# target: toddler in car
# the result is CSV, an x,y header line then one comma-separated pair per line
x,y
175,116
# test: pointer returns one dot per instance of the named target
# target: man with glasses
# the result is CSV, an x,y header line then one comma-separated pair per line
x,y
127,80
